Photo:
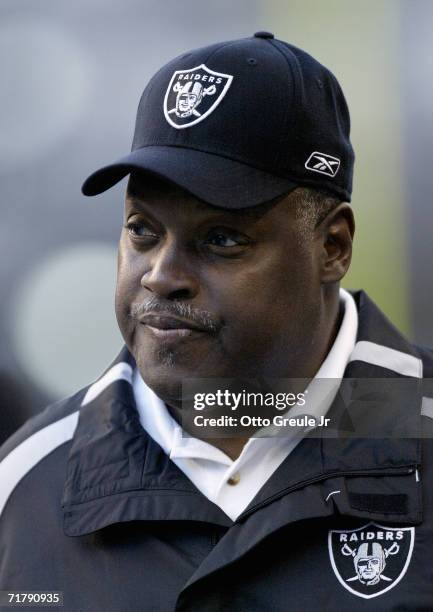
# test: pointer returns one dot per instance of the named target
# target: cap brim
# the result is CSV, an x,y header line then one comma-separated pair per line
x,y
211,178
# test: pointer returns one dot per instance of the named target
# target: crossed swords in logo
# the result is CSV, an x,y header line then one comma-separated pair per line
x,y
392,550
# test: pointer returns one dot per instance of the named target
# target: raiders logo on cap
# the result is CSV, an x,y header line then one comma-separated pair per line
x,y
192,95
372,559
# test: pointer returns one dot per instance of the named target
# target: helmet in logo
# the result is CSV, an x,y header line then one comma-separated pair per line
x,y
369,562
189,97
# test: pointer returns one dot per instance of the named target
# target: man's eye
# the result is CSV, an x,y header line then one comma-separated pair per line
x,y
140,230
229,241
221,240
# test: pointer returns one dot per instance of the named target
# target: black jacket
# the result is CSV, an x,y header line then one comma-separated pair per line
x,y
90,505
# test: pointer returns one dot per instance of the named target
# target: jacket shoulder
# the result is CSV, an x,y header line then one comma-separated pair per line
x,y
35,442
60,415
53,414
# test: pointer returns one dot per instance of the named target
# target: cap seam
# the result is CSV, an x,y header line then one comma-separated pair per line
x,y
278,155
229,43
296,77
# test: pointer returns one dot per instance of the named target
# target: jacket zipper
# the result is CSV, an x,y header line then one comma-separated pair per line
x,y
305,483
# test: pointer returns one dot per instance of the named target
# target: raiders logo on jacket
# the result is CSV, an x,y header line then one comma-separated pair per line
x,y
91,506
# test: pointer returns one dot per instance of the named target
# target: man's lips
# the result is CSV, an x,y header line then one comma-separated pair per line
x,y
167,326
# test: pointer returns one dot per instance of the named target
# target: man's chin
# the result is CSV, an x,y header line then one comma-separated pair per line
x,y
164,363
166,376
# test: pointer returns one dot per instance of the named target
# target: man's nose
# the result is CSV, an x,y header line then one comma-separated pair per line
x,y
171,273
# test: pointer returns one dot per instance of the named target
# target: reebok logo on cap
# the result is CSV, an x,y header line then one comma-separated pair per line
x,y
323,163
192,95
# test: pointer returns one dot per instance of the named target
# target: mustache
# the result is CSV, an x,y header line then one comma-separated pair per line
x,y
203,318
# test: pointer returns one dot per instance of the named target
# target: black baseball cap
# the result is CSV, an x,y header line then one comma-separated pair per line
x,y
240,123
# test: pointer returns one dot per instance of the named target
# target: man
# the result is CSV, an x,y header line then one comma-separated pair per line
x,y
237,232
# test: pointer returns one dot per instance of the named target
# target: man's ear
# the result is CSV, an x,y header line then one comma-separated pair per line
x,y
336,233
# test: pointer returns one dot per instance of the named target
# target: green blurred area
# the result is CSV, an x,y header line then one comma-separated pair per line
x,y
359,42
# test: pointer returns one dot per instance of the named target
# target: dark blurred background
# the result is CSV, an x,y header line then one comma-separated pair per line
x,y
71,77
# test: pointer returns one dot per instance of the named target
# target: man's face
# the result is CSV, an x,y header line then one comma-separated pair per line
x,y
187,101
214,292
368,568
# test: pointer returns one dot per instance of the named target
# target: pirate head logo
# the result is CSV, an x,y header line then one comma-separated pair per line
x,y
372,559
192,95
189,96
